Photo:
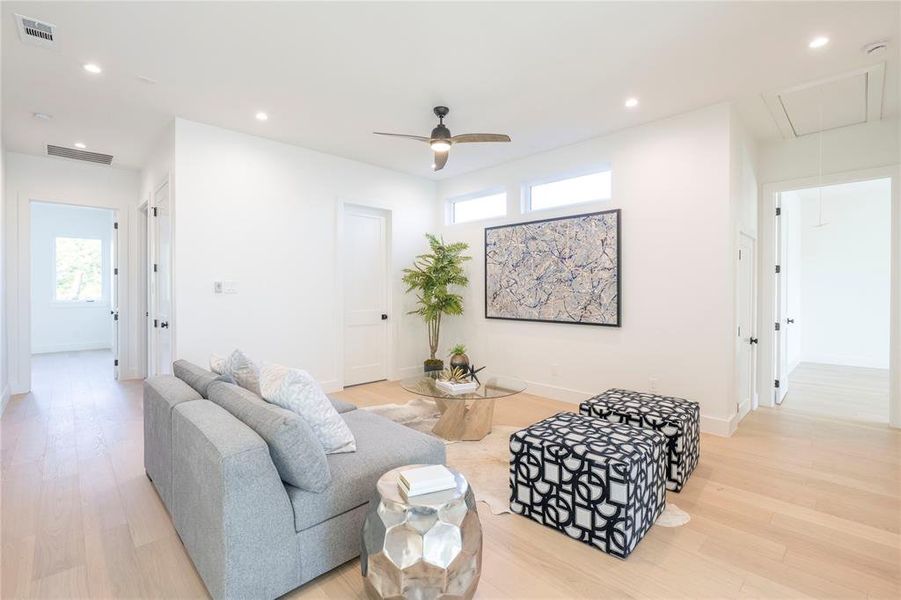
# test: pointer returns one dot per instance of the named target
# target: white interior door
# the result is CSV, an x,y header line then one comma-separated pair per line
x,y
114,294
781,335
161,283
365,274
747,340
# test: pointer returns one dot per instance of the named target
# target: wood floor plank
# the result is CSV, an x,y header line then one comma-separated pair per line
x,y
798,503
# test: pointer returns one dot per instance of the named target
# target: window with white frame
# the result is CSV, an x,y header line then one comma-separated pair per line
x,y
78,269
477,207
569,190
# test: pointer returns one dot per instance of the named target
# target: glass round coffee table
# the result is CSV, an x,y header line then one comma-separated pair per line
x,y
468,415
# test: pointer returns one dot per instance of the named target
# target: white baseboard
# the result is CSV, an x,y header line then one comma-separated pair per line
x,y
847,361
4,399
713,425
71,347
331,385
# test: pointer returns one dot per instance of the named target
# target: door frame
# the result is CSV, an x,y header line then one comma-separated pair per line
x,y
391,350
767,278
19,331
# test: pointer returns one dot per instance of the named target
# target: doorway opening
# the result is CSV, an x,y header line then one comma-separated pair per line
x,y
833,300
365,265
74,300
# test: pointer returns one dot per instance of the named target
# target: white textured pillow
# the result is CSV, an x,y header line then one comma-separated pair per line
x,y
298,392
218,364
244,371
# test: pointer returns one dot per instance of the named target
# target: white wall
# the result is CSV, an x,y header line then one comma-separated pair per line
x,y
4,355
845,275
672,180
68,182
56,326
263,214
863,146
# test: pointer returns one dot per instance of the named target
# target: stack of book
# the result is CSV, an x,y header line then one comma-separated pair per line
x,y
425,480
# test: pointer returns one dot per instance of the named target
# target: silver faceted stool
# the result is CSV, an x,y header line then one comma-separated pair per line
x,y
425,547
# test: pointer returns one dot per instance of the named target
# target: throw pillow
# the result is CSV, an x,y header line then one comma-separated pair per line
x,y
218,364
298,392
244,371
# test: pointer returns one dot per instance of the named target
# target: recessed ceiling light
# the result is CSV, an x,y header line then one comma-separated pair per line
x,y
92,68
261,116
818,42
42,116
79,145
631,102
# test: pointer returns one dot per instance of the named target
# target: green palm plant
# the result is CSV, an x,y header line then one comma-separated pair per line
x,y
432,276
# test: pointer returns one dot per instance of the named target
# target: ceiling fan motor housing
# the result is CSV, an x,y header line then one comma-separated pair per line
x,y
441,133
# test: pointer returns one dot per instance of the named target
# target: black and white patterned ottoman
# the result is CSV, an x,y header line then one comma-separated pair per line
x,y
678,419
598,482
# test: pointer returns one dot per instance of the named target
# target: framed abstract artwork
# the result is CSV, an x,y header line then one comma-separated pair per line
x,y
563,270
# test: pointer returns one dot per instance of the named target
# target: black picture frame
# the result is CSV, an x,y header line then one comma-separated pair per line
x,y
619,296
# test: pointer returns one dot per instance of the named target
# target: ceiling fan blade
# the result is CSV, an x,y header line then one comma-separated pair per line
x,y
418,138
465,138
440,160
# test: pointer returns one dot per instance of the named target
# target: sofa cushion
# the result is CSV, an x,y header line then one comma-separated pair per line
x,y
382,445
295,451
297,391
340,405
196,377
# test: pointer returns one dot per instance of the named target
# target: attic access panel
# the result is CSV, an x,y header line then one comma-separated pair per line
x,y
847,99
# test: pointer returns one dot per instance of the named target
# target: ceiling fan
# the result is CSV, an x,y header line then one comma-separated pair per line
x,y
441,140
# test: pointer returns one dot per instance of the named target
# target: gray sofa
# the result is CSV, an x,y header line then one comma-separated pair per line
x,y
249,534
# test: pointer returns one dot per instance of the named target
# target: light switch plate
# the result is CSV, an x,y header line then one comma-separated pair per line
x,y
230,287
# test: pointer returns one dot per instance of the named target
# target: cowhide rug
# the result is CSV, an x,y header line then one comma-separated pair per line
x,y
486,463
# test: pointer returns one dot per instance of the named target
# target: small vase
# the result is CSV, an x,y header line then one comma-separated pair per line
x,y
460,361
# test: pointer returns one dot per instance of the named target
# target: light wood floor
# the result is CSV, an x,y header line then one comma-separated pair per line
x,y
792,505
855,393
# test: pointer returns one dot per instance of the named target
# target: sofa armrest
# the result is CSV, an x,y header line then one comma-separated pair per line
x,y
229,505
161,394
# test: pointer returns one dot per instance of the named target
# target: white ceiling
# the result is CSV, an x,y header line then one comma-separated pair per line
x,y
548,74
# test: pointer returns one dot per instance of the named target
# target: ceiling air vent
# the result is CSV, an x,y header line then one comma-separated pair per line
x,y
94,157
37,33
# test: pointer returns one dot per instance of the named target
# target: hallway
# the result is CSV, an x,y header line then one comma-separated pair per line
x,y
853,393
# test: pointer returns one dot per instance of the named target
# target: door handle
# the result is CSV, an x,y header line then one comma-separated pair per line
x,y
384,317
164,324
789,320
752,340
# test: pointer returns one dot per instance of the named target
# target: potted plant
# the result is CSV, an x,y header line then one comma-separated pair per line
x,y
458,358
432,275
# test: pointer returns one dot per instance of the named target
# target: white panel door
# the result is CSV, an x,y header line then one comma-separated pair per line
x,y
161,282
365,277
747,340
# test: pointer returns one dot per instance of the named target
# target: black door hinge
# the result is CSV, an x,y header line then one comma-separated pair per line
x,y
778,268
116,362
739,254
777,383
154,267
116,317
154,211
778,211
777,326
116,271
115,226
156,323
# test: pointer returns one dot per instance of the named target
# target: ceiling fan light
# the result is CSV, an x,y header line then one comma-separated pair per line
x,y
440,145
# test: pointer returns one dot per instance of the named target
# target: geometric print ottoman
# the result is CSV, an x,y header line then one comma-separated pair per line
x,y
598,482
678,419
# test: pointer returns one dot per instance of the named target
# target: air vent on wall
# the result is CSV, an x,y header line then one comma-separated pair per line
x,y
94,157
32,31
